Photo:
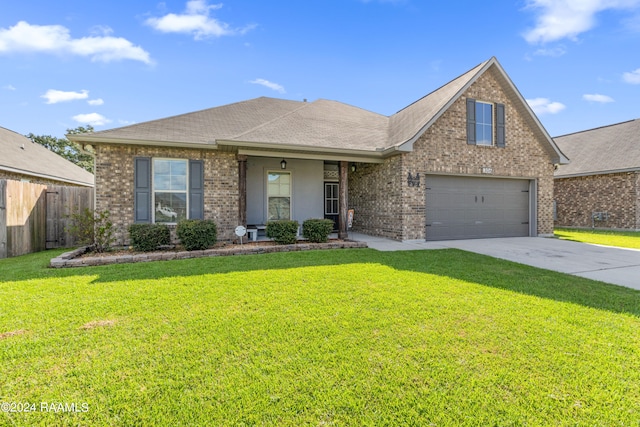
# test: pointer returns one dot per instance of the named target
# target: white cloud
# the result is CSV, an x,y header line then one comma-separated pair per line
x,y
542,106
270,85
555,52
632,77
54,96
9,87
101,30
98,101
595,97
559,19
195,21
93,119
56,39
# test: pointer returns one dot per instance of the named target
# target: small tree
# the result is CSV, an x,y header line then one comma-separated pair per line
x,y
93,229
65,148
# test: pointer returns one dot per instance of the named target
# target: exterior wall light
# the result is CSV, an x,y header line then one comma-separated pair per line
x,y
283,164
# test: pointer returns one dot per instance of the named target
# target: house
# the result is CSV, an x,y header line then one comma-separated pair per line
x,y
469,160
38,190
601,186
24,160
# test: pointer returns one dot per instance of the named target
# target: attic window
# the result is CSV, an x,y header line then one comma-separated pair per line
x,y
484,123
484,120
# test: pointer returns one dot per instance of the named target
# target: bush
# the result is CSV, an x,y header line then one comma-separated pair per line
x,y
317,230
197,234
283,232
92,228
149,237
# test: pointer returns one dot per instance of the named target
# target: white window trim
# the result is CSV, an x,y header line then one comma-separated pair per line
x,y
267,191
153,188
493,124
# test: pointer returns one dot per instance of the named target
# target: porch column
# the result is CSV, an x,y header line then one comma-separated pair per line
x,y
342,201
242,190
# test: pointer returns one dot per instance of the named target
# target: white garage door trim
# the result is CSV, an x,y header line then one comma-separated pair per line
x,y
471,207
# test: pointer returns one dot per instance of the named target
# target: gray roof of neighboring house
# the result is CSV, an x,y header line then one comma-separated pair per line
x,y
21,155
614,148
320,126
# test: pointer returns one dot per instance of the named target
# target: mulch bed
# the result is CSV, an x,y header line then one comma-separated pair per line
x,y
83,258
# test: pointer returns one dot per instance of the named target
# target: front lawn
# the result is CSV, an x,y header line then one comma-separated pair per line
x,y
345,337
623,239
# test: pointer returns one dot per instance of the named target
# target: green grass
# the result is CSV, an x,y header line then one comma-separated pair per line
x,y
345,337
623,239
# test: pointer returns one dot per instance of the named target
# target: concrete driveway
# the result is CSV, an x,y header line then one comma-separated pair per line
x,y
607,264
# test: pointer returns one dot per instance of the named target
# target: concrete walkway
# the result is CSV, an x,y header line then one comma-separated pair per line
x,y
618,266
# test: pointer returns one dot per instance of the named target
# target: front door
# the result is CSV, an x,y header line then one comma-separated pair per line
x,y
331,202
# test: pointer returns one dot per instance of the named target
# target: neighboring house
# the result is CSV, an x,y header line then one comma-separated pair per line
x,y
24,160
38,190
469,160
601,185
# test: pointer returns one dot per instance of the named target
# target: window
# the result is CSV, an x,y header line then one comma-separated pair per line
x,y
330,199
279,195
482,122
168,190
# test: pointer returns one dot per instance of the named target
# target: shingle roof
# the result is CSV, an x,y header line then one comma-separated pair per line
x,y
21,155
408,122
319,125
205,126
613,148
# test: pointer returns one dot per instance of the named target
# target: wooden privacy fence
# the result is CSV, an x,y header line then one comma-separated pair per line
x,y
34,217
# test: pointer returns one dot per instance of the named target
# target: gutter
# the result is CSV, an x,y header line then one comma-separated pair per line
x,y
376,154
86,139
248,147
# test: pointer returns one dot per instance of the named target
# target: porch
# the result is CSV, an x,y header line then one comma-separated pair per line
x,y
287,186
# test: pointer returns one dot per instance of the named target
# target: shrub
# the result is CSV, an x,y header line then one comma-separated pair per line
x,y
283,232
149,237
197,234
317,230
92,228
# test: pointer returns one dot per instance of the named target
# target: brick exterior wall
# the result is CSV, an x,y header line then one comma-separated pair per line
x,y
385,205
618,194
375,192
114,184
35,179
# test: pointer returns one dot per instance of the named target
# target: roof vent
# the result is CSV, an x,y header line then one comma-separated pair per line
x,y
304,100
22,146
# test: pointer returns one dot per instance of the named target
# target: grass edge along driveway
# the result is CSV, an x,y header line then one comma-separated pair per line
x,y
347,337
622,239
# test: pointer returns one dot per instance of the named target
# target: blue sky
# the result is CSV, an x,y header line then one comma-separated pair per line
x,y
71,63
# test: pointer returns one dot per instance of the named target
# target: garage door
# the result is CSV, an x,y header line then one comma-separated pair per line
x,y
474,208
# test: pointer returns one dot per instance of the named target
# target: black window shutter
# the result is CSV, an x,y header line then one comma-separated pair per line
x,y
142,189
471,121
196,189
500,137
